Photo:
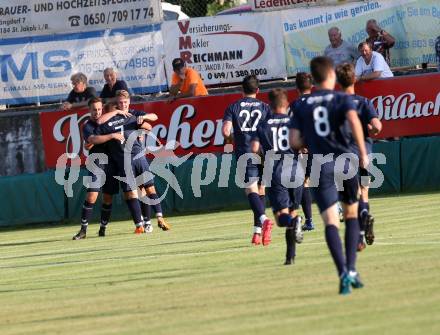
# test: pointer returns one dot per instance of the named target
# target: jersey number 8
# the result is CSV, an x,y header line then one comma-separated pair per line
x,y
322,125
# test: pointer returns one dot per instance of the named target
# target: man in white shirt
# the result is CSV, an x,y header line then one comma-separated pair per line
x,y
338,50
371,65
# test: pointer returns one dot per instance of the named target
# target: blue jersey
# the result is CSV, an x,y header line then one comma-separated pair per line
x,y
294,104
320,118
273,134
366,113
126,126
245,114
88,130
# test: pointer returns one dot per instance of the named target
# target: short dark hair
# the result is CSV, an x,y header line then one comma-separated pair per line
x,y
345,74
110,106
320,67
276,96
93,100
250,84
178,63
303,81
362,44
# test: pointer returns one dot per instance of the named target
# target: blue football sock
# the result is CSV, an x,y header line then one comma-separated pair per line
x,y
290,243
362,210
256,204
106,211
285,220
351,241
157,207
306,203
263,200
135,210
86,214
146,211
335,246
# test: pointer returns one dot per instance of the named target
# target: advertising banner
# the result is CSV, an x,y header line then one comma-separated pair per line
x,y
266,5
38,69
225,49
407,106
23,18
413,23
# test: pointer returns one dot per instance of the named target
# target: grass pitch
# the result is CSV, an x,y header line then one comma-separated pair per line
x,y
204,277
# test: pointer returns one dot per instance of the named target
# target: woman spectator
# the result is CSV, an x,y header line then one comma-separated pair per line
x,y
81,93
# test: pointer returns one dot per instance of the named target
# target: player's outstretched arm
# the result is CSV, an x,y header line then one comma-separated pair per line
x,y
358,135
151,117
146,126
107,116
99,139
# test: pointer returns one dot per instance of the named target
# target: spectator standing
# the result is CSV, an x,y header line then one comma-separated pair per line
x,y
81,93
371,64
186,82
379,39
338,50
112,84
437,52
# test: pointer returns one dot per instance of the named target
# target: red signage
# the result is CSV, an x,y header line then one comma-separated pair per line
x,y
406,105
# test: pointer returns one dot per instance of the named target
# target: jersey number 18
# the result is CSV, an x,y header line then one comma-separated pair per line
x,y
280,138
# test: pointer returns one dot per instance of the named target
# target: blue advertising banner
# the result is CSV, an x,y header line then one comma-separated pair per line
x,y
38,68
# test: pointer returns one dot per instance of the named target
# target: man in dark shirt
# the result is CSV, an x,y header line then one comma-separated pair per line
x,y
112,84
97,145
370,125
139,165
304,84
380,40
81,93
317,124
273,135
243,117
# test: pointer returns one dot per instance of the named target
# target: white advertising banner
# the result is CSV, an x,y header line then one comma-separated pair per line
x,y
38,69
41,17
226,48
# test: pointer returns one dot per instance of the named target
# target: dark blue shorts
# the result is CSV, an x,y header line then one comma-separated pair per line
x,y
252,171
139,166
111,185
280,196
326,193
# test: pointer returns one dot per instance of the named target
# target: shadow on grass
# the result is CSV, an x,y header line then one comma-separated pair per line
x,y
212,210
